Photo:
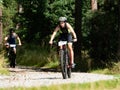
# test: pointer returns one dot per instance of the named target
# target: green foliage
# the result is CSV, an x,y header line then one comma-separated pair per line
x,y
1,2
115,69
57,8
38,56
3,64
9,11
33,20
103,36
39,18
100,34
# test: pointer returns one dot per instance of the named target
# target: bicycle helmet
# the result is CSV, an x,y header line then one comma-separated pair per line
x,y
62,19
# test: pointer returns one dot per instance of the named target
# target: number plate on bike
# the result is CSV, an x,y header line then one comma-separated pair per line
x,y
60,43
12,45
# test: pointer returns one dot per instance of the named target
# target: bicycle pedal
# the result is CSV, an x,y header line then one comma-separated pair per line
x,y
73,65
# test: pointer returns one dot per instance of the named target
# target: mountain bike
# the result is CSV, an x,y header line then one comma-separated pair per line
x,y
12,55
64,60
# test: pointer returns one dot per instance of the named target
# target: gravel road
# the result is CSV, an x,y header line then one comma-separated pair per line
x,y
28,78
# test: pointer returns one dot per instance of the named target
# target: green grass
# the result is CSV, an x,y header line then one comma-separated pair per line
x,y
3,70
102,71
38,56
114,70
101,85
52,64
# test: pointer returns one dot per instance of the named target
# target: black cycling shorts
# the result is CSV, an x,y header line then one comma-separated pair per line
x,y
65,37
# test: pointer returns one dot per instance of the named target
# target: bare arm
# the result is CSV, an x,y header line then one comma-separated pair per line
x,y
5,39
53,35
18,38
72,31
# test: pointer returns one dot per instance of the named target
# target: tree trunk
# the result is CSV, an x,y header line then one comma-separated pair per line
x,y
78,24
94,5
119,29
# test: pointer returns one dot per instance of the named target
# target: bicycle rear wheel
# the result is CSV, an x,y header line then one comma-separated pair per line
x,y
69,72
68,64
63,64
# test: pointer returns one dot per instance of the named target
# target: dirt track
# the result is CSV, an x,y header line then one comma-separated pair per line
x,y
29,77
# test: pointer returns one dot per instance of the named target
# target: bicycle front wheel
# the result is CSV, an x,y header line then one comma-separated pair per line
x,y
12,58
63,64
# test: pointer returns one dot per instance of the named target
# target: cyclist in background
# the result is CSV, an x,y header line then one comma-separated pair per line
x,y
11,39
66,34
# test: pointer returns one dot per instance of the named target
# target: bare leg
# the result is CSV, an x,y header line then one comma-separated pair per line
x,y
14,56
60,47
71,53
14,50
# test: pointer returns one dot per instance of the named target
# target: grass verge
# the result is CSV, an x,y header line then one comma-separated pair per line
x,y
101,85
114,70
37,56
3,70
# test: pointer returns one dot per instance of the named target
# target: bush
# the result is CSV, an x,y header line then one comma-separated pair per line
x,y
35,55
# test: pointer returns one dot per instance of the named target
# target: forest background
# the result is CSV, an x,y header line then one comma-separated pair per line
x,y
98,31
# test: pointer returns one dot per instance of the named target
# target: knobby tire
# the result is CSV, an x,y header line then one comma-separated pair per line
x,y
68,63
12,57
63,64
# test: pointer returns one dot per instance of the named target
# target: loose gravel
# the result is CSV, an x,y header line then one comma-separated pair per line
x,y
29,78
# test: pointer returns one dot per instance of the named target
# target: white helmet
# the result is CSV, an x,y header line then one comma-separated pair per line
x,y
62,19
